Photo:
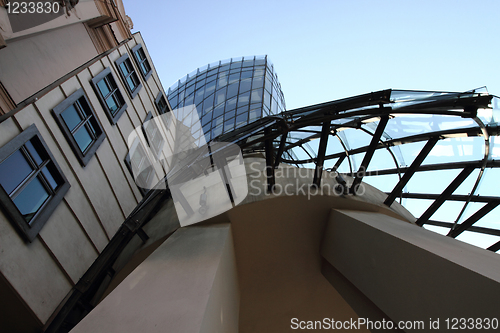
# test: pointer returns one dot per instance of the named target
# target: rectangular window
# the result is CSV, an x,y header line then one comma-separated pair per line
x,y
109,95
79,125
142,61
139,166
32,184
153,135
161,103
128,75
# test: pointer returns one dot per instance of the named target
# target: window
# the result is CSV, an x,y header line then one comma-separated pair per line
x,y
32,184
142,61
161,103
109,95
128,74
139,166
153,135
79,125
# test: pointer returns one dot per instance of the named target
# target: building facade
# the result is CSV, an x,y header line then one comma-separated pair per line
x,y
71,91
84,248
229,94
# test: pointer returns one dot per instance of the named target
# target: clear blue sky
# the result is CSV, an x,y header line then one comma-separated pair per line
x,y
325,50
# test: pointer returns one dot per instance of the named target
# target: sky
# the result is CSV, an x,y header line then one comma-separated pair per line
x,y
326,50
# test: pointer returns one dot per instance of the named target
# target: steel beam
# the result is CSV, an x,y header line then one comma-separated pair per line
x,y
410,171
320,159
369,153
444,196
481,230
268,146
472,219
456,197
495,247
281,148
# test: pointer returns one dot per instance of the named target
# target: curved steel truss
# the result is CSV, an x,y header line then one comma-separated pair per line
x,y
435,151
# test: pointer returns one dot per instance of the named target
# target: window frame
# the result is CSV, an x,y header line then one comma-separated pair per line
x,y
30,230
139,62
106,74
149,121
124,77
83,157
157,101
149,178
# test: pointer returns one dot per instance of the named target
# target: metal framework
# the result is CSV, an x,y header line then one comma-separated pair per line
x,y
433,120
443,118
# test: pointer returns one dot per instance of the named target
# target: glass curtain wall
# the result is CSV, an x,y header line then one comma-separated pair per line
x,y
229,94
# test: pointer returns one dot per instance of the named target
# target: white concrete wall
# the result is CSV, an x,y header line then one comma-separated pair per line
x,y
28,65
189,284
411,273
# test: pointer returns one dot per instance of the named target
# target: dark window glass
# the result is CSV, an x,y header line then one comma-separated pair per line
x,y
232,90
206,119
231,104
219,110
229,114
200,77
189,100
248,63
259,62
207,127
199,96
258,82
246,74
220,96
31,199
254,114
242,109
257,96
244,99
245,85
234,78
161,103
210,88
13,171
31,183
217,131
142,61
129,76
259,71
34,153
241,119
209,103
229,125
222,81
109,95
236,65
173,101
218,121
79,125
189,90
200,83
267,99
